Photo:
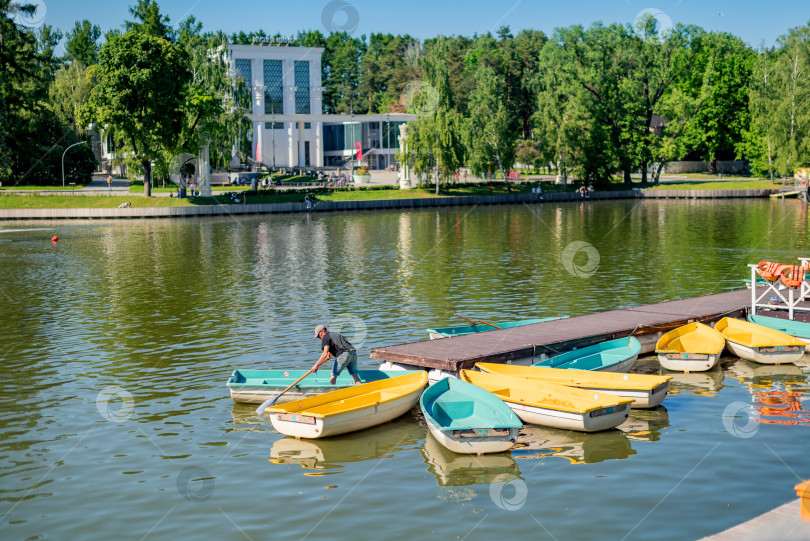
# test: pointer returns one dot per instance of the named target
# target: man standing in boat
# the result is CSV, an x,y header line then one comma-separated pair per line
x,y
335,345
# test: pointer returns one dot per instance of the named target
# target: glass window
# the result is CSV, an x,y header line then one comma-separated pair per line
x,y
273,88
273,125
244,70
301,68
307,125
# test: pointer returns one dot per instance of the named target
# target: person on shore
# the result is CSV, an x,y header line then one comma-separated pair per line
x,y
335,345
308,201
109,182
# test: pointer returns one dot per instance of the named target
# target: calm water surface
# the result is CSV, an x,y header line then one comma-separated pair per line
x,y
117,341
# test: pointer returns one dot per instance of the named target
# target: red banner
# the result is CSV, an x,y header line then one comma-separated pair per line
x,y
358,150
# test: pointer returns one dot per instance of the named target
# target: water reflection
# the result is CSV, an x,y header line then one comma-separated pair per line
x,y
454,470
383,441
779,392
578,447
706,383
645,424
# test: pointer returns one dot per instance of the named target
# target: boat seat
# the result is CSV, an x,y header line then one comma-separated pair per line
x,y
348,403
446,411
687,343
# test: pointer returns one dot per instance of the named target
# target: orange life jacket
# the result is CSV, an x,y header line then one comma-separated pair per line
x,y
770,270
792,275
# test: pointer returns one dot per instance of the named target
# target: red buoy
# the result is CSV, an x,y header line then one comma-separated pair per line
x,y
54,238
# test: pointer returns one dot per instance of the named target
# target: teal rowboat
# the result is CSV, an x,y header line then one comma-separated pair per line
x,y
257,386
467,419
445,332
612,356
797,329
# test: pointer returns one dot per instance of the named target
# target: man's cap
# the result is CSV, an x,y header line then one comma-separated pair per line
x,y
318,329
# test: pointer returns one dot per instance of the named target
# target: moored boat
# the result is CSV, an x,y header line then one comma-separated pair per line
x,y
349,410
797,329
759,344
694,347
555,406
445,332
611,356
646,391
467,419
256,386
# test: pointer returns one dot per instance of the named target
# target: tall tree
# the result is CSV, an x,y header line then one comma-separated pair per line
x,y
342,73
82,42
435,137
149,20
139,94
491,132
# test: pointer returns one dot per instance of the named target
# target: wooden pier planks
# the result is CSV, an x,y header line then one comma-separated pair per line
x,y
551,337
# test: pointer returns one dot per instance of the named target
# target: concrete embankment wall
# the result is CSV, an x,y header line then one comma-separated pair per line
x,y
325,206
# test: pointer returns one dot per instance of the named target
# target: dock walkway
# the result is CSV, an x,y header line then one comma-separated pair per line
x,y
551,337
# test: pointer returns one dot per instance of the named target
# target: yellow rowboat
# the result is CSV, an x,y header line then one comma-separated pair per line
x,y
349,410
694,347
646,391
759,344
555,406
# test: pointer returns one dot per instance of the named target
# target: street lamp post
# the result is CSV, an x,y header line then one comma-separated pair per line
x,y
63,160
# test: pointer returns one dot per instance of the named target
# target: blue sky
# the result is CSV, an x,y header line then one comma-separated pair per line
x,y
753,21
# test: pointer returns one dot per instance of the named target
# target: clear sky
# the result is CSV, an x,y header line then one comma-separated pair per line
x,y
754,21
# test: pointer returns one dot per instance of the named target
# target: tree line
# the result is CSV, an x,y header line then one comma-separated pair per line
x,y
593,103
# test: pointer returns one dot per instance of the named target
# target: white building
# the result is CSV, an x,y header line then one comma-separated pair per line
x,y
289,127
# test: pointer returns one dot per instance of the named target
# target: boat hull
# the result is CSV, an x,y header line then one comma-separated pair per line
x,y
305,426
646,391
766,355
688,362
258,386
617,355
487,440
467,419
582,422
797,329
446,332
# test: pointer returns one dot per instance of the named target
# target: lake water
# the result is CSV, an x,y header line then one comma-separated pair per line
x,y
117,342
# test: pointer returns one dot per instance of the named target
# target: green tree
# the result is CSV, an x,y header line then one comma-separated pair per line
x,y
435,137
82,43
139,94
149,20
342,73
68,93
491,133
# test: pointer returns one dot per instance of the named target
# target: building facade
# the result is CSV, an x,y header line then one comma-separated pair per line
x,y
289,127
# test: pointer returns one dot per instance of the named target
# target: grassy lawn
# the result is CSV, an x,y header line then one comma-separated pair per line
x,y
33,188
273,196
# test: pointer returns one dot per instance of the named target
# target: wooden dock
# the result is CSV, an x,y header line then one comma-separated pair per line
x,y
783,523
551,337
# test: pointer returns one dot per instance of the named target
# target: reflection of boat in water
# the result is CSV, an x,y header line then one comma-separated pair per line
x,y
705,383
578,447
382,441
766,374
454,470
646,425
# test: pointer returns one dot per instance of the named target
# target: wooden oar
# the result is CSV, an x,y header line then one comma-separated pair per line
x,y
267,403
490,324
465,319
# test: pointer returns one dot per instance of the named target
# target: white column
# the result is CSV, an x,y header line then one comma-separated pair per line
x,y
318,130
292,144
301,138
204,176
